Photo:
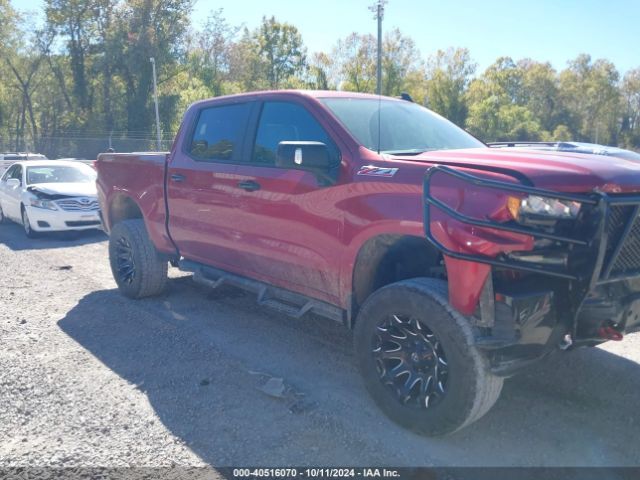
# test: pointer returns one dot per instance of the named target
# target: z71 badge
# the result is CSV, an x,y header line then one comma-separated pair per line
x,y
377,171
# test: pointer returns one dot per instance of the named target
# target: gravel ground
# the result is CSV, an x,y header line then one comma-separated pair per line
x,y
198,377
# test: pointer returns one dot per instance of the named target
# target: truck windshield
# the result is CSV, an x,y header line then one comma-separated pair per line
x,y
404,127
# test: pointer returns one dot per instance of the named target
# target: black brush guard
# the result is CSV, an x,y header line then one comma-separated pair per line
x,y
614,241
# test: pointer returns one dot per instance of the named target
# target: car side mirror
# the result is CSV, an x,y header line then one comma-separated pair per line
x,y
13,182
310,156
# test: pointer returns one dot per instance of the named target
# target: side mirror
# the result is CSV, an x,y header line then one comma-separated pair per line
x,y
13,182
310,156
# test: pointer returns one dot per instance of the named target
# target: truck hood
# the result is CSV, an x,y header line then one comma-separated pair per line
x,y
86,189
560,171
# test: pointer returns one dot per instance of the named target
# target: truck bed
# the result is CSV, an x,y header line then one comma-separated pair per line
x,y
129,179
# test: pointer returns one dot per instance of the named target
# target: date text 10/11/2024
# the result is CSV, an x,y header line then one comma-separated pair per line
x,y
315,473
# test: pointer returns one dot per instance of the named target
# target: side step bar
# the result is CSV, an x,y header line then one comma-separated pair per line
x,y
284,301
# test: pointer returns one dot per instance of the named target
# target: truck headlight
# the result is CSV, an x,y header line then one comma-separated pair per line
x,y
542,207
47,204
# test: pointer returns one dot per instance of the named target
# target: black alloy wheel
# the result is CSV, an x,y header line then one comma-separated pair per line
x,y
126,265
411,361
418,358
138,269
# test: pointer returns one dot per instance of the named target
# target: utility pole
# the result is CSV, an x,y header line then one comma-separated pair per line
x,y
378,10
155,97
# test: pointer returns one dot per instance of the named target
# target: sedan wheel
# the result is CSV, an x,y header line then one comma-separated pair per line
x,y
26,223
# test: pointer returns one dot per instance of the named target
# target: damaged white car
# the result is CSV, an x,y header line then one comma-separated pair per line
x,y
50,196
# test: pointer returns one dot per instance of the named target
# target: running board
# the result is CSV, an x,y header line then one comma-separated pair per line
x,y
284,301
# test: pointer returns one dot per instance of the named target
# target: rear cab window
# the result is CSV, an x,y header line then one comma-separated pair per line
x,y
218,133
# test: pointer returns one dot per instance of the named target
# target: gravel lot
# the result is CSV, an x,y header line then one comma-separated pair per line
x,y
89,378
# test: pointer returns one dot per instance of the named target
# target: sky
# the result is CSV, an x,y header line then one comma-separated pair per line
x,y
545,30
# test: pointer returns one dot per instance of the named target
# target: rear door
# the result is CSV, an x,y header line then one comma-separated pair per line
x,y
288,223
202,183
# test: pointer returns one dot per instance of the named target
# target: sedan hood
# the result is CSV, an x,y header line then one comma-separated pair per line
x,y
560,171
86,189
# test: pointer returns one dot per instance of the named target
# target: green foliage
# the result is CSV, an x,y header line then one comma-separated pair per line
x,y
281,50
85,79
590,92
356,57
447,79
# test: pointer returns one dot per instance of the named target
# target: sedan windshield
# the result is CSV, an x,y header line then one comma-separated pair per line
x,y
398,127
60,174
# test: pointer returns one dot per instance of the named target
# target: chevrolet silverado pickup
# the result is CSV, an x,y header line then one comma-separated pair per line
x,y
456,265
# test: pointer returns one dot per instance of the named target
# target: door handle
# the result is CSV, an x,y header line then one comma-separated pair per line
x,y
176,177
249,185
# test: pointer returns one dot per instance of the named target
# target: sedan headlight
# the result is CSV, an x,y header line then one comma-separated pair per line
x,y
543,207
47,204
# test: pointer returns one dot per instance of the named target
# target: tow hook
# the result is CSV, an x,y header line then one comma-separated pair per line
x,y
609,332
566,342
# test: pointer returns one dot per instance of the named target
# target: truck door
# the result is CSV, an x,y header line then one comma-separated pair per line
x,y
202,183
288,224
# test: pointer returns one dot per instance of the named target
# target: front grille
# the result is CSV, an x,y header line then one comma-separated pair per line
x,y
79,205
628,258
82,223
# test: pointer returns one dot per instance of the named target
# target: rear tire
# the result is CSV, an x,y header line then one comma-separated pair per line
x,y
418,361
137,267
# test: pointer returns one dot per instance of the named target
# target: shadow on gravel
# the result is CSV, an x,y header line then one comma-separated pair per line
x,y
193,357
12,235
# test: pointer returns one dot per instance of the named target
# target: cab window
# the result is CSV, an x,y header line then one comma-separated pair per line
x,y
219,133
281,122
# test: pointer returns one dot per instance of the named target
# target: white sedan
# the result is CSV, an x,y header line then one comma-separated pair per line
x,y
50,195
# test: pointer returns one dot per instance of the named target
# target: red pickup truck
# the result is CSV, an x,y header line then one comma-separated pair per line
x,y
455,264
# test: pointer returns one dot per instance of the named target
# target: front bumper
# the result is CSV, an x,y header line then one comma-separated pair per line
x,y
615,306
540,305
43,220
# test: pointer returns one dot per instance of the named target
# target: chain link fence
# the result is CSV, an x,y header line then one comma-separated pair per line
x,y
84,146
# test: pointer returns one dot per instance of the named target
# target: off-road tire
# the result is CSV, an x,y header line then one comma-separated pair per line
x,y
471,387
150,269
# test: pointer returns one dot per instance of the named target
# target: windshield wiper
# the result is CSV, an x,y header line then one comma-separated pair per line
x,y
415,151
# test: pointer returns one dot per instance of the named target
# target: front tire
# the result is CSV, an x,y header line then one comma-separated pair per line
x,y
137,267
26,225
2,217
418,361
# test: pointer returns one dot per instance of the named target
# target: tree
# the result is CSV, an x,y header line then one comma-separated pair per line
x,y
75,21
498,108
589,92
630,124
246,68
281,49
23,54
149,28
211,57
540,93
400,57
355,56
448,77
